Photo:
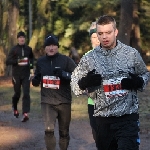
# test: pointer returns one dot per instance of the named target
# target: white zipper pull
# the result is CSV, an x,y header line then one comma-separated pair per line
x,y
22,52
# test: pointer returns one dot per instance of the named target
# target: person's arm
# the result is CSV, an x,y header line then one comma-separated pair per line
x,y
12,58
31,59
80,71
70,67
36,80
65,74
62,74
141,70
139,76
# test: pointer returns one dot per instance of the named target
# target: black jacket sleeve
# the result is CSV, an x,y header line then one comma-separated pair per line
x,y
31,59
12,58
70,68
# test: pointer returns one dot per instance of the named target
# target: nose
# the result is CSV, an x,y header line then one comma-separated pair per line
x,y
104,35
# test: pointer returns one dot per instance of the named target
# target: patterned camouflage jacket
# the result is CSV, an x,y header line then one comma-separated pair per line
x,y
113,65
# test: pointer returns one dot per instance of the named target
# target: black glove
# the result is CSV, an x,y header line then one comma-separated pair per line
x,y
58,72
133,83
90,80
61,73
36,80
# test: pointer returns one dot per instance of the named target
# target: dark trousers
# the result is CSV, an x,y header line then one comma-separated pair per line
x,y
122,135
92,120
19,81
50,113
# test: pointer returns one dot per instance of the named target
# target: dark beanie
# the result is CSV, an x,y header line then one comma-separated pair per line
x,y
21,33
51,40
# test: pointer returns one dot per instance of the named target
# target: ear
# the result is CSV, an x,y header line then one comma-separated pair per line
x,y
116,32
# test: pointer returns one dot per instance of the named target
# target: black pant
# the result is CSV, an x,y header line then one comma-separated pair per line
x,y
23,81
92,120
120,135
50,113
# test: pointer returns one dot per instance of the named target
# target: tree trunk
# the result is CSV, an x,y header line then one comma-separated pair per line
x,y
136,37
3,35
125,25
1,16
13,11
135,40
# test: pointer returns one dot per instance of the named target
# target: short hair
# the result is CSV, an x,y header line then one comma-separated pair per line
x,y
105,19
21,33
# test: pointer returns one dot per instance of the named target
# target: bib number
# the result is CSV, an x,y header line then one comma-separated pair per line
x,y
112,88
52,82
23,61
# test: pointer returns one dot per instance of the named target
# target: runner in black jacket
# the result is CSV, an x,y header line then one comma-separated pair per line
x,y
21,59
53,71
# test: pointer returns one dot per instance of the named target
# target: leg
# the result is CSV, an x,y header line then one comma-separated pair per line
x,y
127,135
26,95
17,91
113,145
64,119
94,134
49,115
104,136
92,120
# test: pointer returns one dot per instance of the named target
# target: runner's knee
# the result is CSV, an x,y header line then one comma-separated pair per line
x,y
49,133
64,134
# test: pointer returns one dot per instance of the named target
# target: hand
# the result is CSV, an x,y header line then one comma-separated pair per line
x,y
133,83
90,80
19,60
36,80
62,74
32,72
31,77
31,66
58,72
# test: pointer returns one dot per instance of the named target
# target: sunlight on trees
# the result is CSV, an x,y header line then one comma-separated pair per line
x,y
70,21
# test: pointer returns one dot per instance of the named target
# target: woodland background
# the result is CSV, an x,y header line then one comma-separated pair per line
x,y
70,21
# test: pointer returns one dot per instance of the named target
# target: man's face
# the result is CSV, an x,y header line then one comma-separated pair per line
x,y
107,35
94,40
51,50
21,40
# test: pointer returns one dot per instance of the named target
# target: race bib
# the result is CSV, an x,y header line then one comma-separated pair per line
x,y
52,82
112,88
23,61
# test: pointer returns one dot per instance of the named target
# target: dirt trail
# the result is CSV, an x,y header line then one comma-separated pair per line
x,y
15,135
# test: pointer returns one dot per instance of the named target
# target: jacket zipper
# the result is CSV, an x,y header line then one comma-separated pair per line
x,y
22,52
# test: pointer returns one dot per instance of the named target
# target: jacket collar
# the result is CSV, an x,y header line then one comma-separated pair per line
x,y
110,52
53,56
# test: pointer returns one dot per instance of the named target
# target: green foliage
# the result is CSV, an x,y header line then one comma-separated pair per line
x,y
69,31
70,21
59,27
84,26
79,104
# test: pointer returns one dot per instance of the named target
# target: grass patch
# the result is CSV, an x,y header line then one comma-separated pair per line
x,y
79,104
6,93
79,107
